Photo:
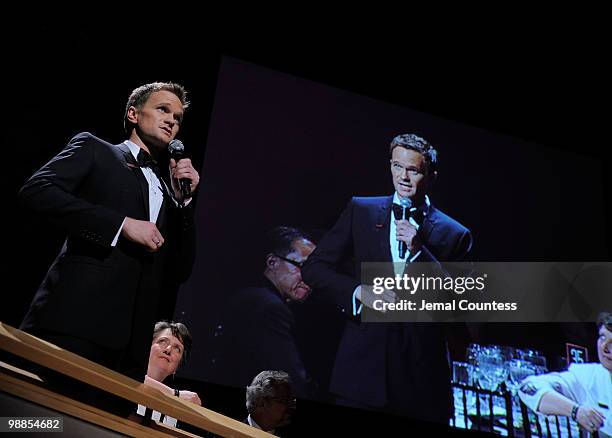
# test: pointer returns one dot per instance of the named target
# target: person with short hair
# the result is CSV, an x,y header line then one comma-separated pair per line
x,y
259,323
583,392
170,348
395,367
270,401
130,233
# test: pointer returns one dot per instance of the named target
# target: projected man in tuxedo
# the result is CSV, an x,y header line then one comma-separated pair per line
x,y
130,234
397,367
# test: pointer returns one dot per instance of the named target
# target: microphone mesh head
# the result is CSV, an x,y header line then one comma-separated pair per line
x,y
176,146
404,202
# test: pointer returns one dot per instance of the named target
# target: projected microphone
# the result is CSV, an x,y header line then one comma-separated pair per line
x,y
176,148
399,215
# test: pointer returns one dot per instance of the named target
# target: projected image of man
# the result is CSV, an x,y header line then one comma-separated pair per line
x,y
399,367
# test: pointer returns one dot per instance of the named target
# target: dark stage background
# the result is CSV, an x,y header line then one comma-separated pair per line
x,y
62,82
287,151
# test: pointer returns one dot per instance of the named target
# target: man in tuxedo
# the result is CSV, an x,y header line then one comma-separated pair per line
x,y
259,323
397,367
130,234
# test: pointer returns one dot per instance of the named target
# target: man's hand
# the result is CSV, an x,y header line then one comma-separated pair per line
x,y
143,233
365,294
183,170
190,397
590,419
406,232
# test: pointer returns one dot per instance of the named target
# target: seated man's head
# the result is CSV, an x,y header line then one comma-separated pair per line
x,y
170,347
287,249
604,341
413,166
270,400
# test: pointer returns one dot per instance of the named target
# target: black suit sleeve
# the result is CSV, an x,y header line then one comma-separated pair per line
x,y
457,251
279,346
321,269
183,244
431,260
53,193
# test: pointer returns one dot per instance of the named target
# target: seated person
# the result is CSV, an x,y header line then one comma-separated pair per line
x,y
170,347
259,323
270,401
583,392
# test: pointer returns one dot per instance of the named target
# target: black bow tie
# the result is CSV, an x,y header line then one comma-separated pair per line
x,y
417,214
144,159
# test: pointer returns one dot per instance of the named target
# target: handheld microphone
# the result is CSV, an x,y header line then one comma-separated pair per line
x,y
176,148
404,214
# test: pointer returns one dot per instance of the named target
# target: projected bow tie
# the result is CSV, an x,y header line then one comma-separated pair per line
x,y
415,213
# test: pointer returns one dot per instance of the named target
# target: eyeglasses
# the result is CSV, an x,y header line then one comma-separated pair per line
x,y
293,262
398,168
285,401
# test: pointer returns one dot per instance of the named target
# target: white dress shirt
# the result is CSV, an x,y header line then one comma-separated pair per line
x,y
156,194
398,262
588,384
255,425
157,416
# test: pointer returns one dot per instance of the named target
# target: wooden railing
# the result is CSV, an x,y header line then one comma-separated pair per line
x,y
50,356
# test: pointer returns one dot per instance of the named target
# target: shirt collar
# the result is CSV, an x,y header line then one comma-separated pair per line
x,y
134,148
256,426
252,422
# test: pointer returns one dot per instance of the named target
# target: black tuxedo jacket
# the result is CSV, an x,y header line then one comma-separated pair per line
x,y
94,291
370,354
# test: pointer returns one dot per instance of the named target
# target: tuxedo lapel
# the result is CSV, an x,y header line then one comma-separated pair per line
x,y
383,222
161,217
429,222
130,162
